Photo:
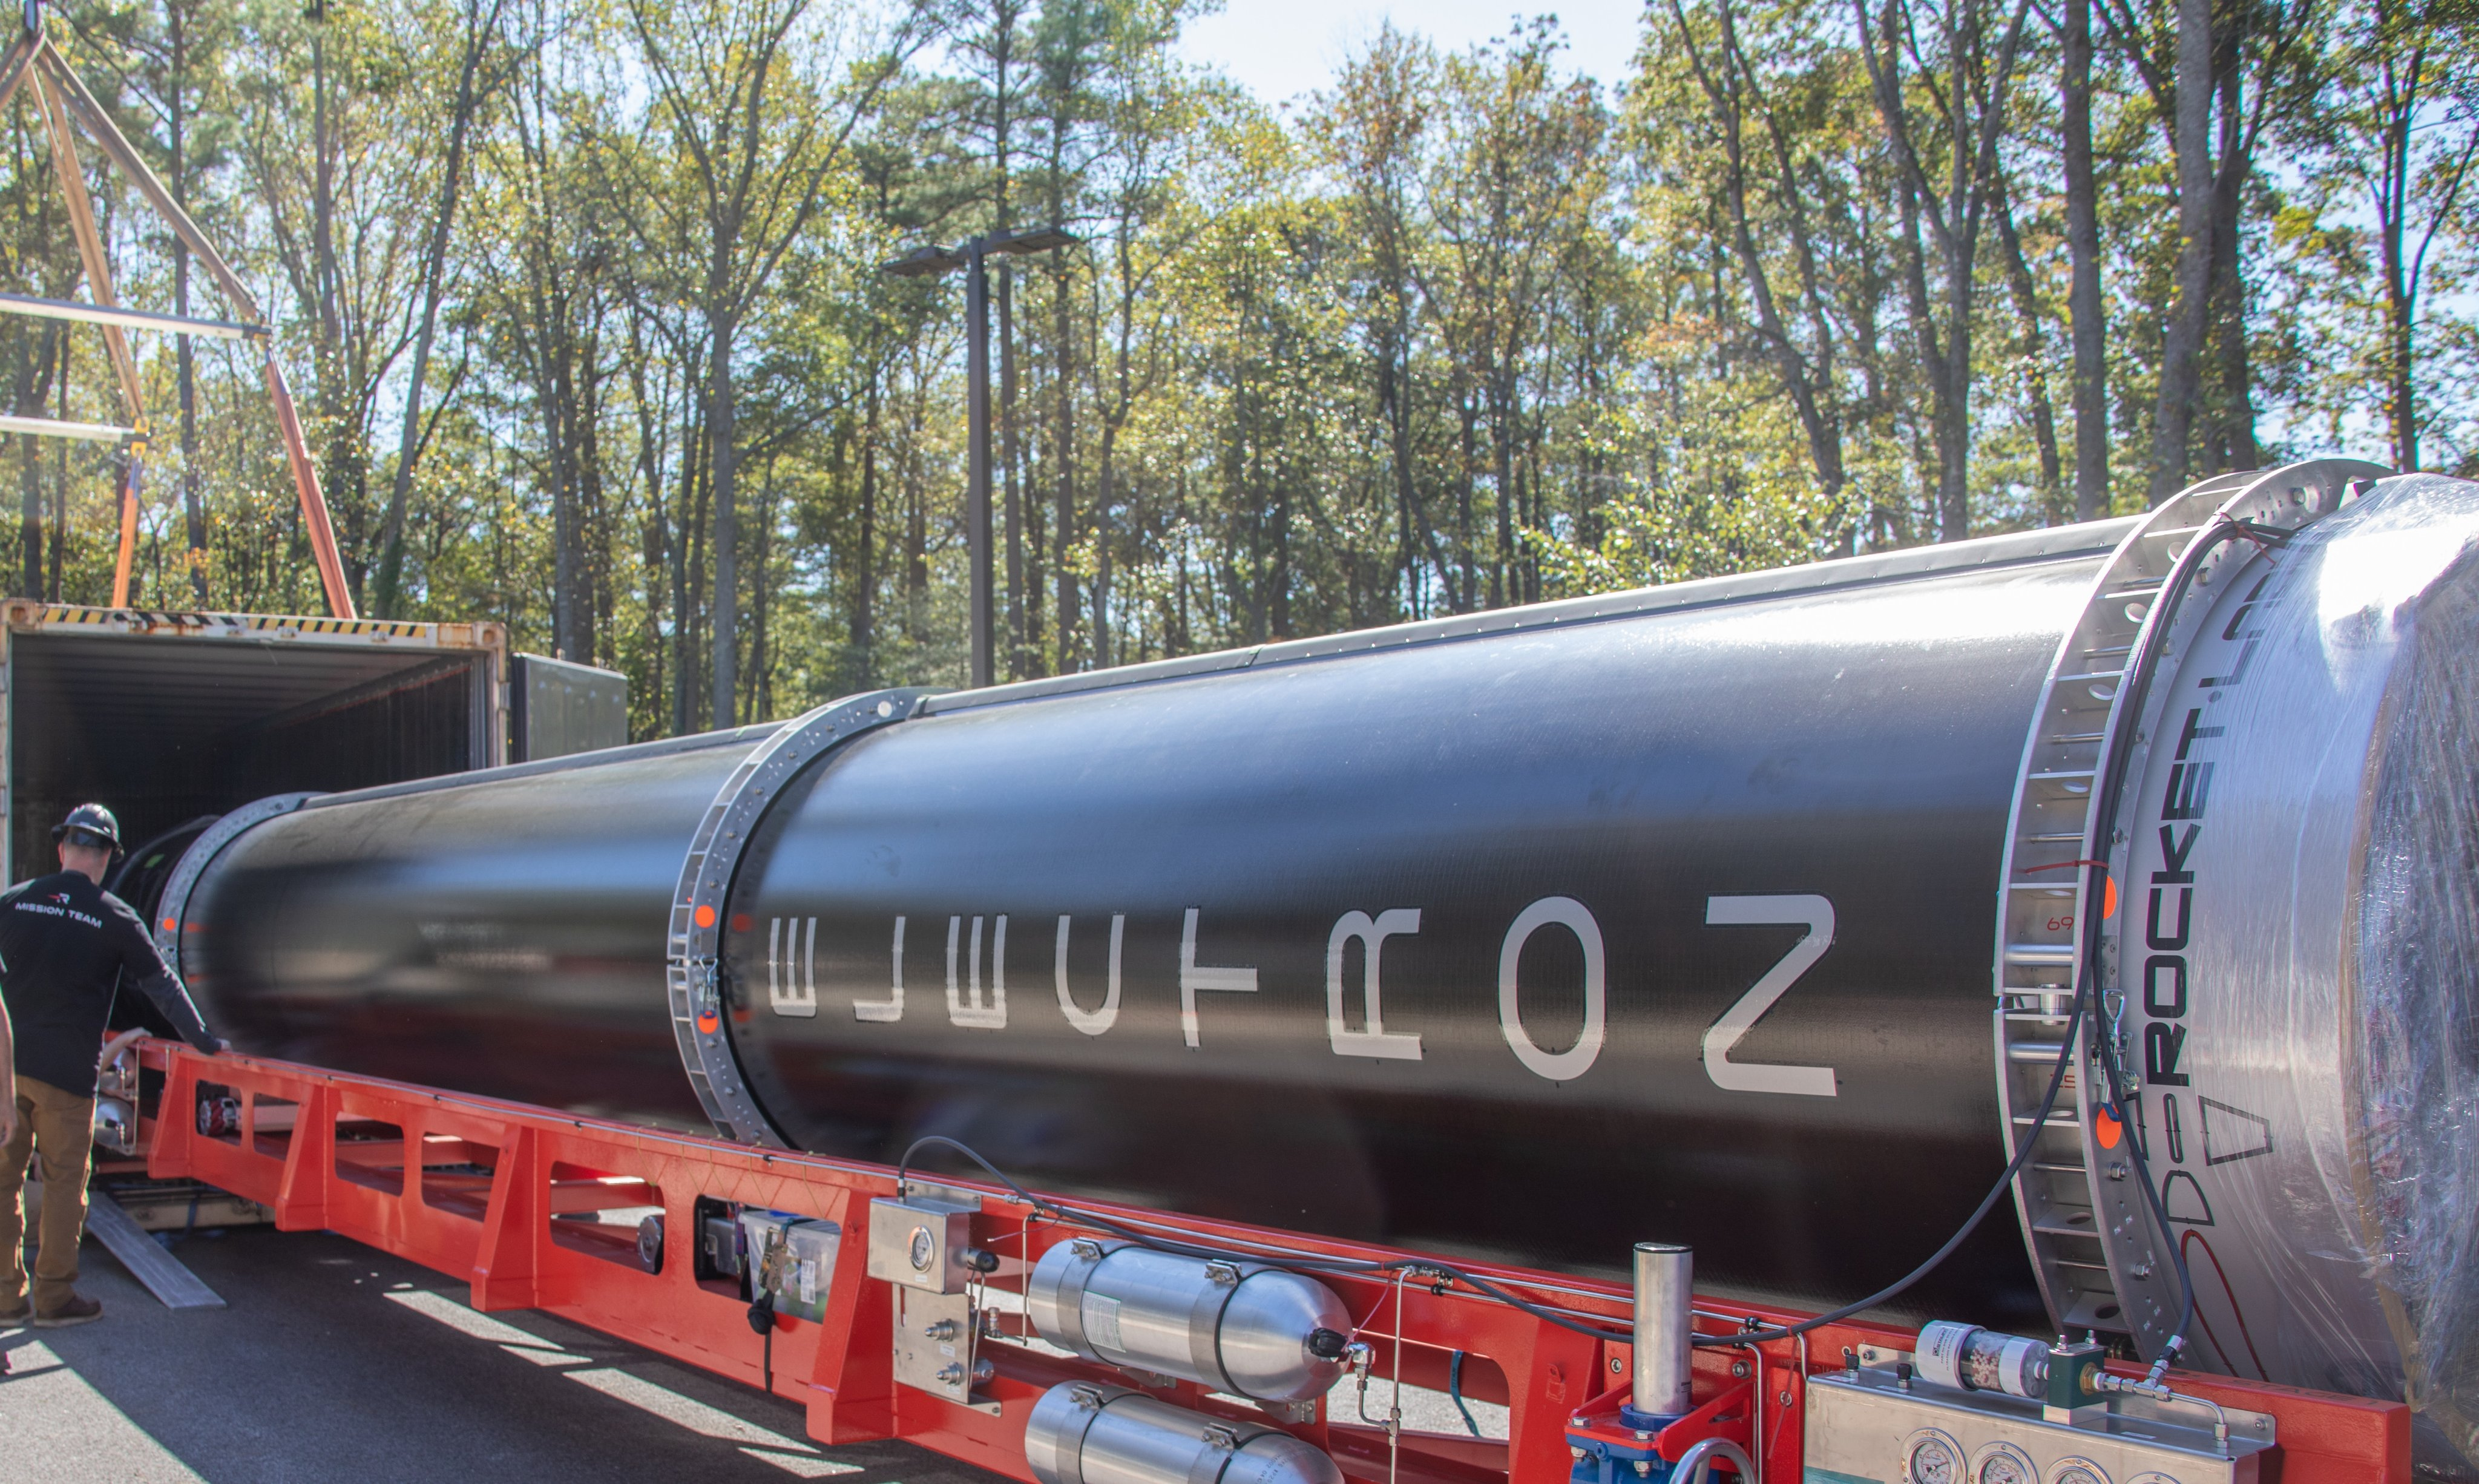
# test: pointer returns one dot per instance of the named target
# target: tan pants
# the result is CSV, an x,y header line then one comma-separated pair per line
x,y
62,1126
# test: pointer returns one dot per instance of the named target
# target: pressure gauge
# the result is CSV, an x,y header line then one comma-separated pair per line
x,y
1932,1458
2000,1464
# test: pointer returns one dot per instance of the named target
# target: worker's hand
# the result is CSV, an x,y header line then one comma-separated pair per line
x,y
113,1048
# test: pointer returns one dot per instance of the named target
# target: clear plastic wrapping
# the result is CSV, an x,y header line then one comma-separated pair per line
x,y
2416,1014
2300,952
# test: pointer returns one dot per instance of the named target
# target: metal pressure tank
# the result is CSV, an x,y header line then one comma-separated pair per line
x,y
1746,913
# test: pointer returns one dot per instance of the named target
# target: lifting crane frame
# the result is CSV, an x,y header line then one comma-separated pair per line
x,y
60,96
501,1194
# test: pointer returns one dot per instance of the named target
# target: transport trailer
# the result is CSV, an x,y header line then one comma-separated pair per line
x,y
1377,997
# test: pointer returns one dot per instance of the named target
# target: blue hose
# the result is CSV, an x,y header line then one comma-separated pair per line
x,y
1455,1391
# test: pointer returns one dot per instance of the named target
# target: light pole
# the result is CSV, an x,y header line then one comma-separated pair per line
x,y
933,262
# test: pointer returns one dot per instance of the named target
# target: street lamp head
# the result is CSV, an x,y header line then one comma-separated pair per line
x,y
1037,240
927,262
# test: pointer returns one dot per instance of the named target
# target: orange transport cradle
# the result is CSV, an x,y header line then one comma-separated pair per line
x,y
469,1187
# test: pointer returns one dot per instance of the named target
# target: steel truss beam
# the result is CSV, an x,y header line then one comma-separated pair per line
x,y
53,427
126,319
62,97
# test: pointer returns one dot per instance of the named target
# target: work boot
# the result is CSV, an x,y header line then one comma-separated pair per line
x,y
79,1309
15,1318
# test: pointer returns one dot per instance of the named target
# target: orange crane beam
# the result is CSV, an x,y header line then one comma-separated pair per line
x,y
64,100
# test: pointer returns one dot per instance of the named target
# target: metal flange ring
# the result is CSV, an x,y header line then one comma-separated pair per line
x,y
2093,1243
173,909
693,959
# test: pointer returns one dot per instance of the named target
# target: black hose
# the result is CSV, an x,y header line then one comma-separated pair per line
x,y
1971,1224
761,1318
2111,787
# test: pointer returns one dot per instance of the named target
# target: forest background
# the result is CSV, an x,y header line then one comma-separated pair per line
x,y
583,301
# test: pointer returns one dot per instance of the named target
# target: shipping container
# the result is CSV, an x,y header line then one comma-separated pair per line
x,y
169,719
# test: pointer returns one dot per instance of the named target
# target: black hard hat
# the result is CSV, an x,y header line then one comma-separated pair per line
x,y
90,824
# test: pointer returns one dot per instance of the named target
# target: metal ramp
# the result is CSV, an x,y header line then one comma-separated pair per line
x,y
145,1259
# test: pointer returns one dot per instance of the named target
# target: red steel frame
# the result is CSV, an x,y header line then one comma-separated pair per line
x,y
469,1185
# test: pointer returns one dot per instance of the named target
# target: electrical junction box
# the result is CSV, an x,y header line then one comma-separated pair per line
x,y
918,1242
719,1248
1865,1425
792,1258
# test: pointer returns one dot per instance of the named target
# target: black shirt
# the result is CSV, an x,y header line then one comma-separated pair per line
x,y
66,947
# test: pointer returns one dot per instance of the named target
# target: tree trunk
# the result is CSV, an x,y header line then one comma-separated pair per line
x,y
29,518
1502,472
863,666
654,539
176,126
2401,291
323,206
1102,555
1721,82
1470,597
2401,403
1954,409
344,472
2182,345
721,427
1975,107
592,529
561,425
2233,391
1018,661
2083,296
60,487
677,542
1003,25
1394,395
916,526
1923,330
387,599
33,382
760,701
2033,351
1278,581
1063,476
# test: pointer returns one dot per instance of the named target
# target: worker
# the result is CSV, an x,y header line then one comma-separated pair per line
x,y
7,1077
9,1118
68,948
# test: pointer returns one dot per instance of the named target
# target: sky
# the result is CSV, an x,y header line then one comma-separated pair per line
x,y
1279,49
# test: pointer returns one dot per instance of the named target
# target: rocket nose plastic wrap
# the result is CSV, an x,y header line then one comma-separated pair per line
x,y
2414,1002
2298,964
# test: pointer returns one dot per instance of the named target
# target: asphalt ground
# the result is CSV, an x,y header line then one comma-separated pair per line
x,y
336,1362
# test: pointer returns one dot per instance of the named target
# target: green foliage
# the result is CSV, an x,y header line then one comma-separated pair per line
x,y
1459,331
